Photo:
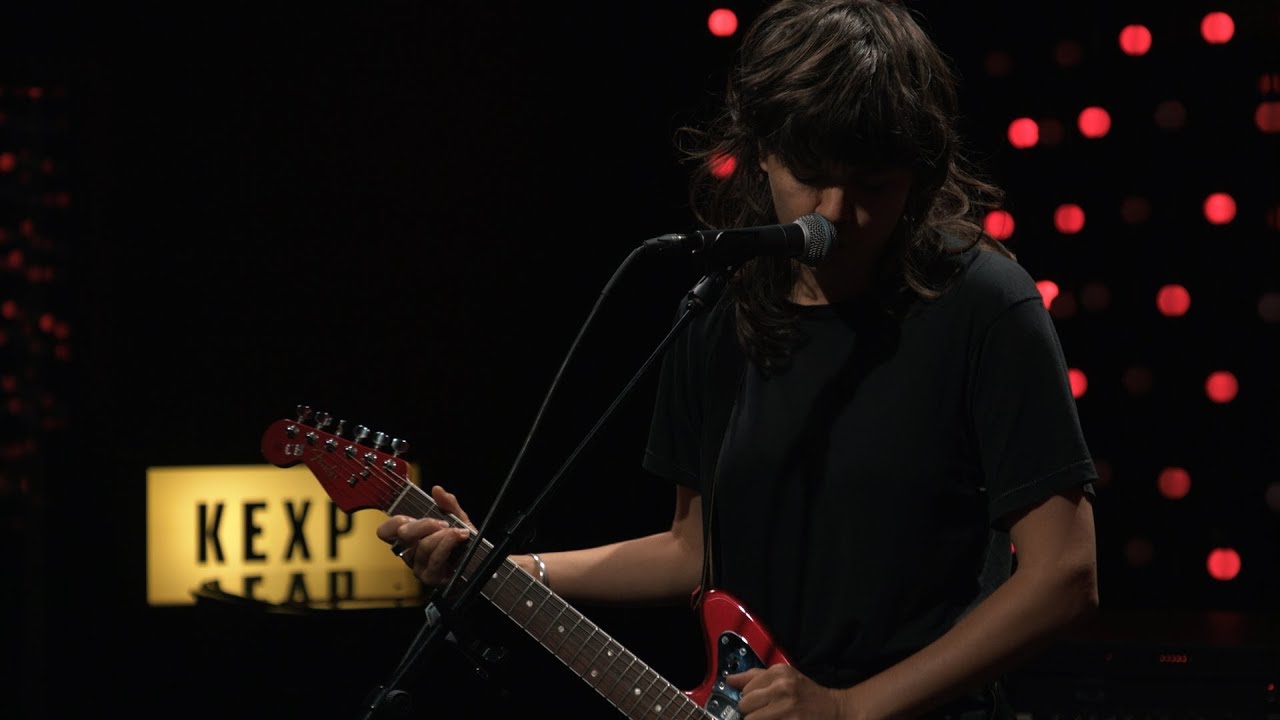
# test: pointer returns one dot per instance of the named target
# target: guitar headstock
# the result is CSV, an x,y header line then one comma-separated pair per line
x,y
355,474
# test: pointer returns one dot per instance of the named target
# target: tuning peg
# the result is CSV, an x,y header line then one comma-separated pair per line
x,y
399,446
379,439
360,433
323,419
342,425
304,411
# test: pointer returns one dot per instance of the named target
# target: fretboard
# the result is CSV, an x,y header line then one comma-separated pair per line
x,y
619,676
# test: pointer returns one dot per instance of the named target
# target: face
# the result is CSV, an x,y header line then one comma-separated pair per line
x,y
864,206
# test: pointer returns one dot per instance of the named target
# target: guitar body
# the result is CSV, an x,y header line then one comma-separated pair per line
x,y
358,476
735,642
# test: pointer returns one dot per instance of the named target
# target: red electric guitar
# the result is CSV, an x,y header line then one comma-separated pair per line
x,y
358,476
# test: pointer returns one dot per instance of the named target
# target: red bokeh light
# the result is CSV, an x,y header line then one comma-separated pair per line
x,y
1174,483
1173,300
722,22
1069,219
1068,53
1135,209
1223,564
998,63
1269,307
1221,386
1217,28
1094,122
1137,380
1135,40
1139,552
1267,116
7,162
1048,291
1024,133
1219,208
1171,115
722,166
1079,382
1064,306
1051,131
998,224
1095,297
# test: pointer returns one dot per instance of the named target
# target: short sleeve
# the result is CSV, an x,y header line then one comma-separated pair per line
x,y
1023,414
672,451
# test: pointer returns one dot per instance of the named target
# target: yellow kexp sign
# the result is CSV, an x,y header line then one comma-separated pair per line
x,y
267,533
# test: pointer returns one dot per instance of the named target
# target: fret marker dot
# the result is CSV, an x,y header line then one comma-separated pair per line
x,y
610,653
657,708
560,629
528,603
594,673
637,692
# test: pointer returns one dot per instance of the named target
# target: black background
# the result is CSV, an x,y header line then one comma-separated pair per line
x,y
401,213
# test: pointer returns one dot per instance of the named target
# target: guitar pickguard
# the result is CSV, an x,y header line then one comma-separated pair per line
x,y
733,655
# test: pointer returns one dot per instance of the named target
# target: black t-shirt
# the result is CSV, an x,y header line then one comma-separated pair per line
x,y
862,497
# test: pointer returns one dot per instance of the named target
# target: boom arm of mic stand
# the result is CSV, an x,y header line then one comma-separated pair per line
x,y
703,294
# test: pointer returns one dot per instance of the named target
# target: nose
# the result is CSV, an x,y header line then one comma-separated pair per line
x,y
840,206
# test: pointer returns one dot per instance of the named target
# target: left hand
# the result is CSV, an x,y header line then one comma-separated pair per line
x,y
781,691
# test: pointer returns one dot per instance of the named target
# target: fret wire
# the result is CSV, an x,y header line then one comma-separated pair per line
x,y
622,675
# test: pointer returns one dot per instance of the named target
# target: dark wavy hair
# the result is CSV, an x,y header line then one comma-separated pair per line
x,y
850,82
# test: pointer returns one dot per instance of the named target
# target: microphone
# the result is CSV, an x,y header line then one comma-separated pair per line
x,y
807,238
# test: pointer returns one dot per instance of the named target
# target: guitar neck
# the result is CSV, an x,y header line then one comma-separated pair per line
x,y
619,676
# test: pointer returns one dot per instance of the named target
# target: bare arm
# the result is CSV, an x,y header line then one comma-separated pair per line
x,y
659,568
1054,587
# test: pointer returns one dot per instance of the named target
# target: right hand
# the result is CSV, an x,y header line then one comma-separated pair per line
x,y
428,543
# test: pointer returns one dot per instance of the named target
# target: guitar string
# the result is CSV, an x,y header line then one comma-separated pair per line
x,y
389,484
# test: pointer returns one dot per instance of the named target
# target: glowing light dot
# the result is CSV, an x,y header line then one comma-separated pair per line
x,y
1095,297
1094,122
1068,53
1064,306
7,162
1273,496
1069,219
1173,300
1079,382
1135,210
1171,115
1104,472
722,22
1137,380
1269,307
1051,131
1221,387
998,63
998,224
1223,564
1174,483
1048,291
1217,28
1024,133
1266,117
1219,208
1135,40
722,166
1138,552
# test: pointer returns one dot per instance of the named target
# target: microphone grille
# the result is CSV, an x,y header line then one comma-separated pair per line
x,y
819,233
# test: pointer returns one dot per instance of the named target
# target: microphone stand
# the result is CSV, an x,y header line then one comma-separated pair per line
x,y
703,294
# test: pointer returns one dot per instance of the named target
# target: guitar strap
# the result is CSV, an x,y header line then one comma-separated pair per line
x,y
722,375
